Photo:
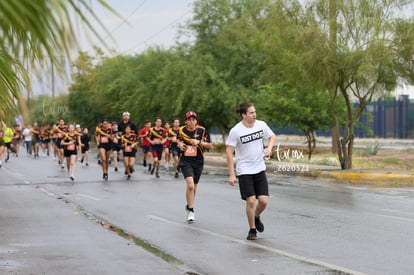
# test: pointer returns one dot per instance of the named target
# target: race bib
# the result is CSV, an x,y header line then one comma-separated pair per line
x,y
70,147
104,139
190,151
128,149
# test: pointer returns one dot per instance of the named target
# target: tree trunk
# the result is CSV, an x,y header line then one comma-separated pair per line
x,y
345,152
310,138
335,145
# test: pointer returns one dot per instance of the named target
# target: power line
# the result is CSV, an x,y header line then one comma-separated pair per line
x,y
125,20
132,13
158,32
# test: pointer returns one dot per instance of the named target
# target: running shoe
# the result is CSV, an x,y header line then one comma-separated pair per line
x,y
157,175
190,217
152,170
252,235
145,163
258,223
176,175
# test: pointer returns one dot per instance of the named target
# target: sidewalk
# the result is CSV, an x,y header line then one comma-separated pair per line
x,y
375,177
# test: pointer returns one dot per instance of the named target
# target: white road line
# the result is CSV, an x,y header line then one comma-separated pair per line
x,y
88,197
264,247
395,217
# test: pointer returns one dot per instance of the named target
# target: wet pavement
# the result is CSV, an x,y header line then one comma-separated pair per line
x,y
50,225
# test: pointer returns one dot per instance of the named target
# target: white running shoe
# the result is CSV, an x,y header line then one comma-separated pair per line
x,y
190,216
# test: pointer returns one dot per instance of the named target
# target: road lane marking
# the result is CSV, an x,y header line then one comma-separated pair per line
x,y
395,217
261,246
88,196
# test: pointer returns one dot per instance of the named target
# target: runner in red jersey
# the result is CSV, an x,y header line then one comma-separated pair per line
x,y
146,145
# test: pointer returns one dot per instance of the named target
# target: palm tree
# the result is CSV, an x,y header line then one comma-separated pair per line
x,y
35,31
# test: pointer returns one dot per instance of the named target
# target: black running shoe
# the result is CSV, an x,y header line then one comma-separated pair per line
x,y
149,167
128,177
258,223
152,170
157,175
176,175
252,235
82,159
145,163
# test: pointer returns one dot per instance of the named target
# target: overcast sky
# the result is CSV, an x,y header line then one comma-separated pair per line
x,y
146,23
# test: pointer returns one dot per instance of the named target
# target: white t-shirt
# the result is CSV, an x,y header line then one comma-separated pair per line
x,y
248,143
27,135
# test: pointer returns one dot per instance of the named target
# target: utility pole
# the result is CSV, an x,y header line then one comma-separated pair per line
x,y
53,78
332,73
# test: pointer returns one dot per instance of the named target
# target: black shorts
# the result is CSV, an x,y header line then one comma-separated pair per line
x,y
116,147
58,143
130,154
146,149
193,171
84,149
45,141
253,185
68,153
106,146
175,151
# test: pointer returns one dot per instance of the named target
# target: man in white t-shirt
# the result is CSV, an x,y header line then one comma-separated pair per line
x,y
246,141
28,139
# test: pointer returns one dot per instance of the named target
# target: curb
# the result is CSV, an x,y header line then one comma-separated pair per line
x,y
363,177
374,177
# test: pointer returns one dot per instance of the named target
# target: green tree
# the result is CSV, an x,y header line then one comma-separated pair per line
x,y
355,50
286,106
369,50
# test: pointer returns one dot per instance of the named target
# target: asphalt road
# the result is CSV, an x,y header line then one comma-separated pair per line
x,y
49,225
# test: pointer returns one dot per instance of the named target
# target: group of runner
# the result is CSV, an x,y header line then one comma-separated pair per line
x,y
185,143
156,142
